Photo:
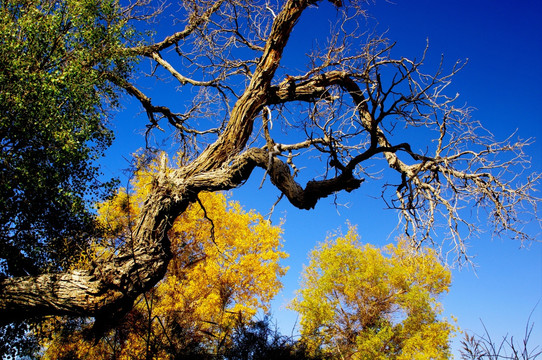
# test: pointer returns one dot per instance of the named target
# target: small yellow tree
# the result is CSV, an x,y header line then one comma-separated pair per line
x,y
360,302
225,268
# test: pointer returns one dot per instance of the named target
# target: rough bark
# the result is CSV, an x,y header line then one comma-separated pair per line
x,y
111,286
249,105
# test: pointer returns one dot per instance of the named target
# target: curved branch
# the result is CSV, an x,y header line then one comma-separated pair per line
x,y
239,128
242,166
111,285
176,120
195,21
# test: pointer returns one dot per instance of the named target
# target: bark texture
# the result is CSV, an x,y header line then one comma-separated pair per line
x,y
111,287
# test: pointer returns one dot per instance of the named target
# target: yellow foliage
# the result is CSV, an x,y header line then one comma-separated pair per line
x,y
360,302
225,268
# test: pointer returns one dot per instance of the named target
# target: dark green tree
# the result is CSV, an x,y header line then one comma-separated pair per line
x,y
258,340
53,125
54,102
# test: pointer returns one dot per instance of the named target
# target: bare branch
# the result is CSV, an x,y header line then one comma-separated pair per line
x,y
195,21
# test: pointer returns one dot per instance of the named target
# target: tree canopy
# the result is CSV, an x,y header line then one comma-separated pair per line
x,y
54,102
53,125
360,302
355,107
214,283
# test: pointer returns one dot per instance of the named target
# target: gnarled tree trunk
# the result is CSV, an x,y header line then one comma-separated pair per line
x,y
362,113
111,286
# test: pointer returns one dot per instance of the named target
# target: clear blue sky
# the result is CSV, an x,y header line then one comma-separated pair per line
x,y
503,78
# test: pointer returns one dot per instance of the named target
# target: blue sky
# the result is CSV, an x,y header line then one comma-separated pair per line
x,y
502,80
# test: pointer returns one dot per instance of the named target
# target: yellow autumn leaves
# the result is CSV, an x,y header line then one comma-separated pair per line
x,y
355,302
360,302
225,268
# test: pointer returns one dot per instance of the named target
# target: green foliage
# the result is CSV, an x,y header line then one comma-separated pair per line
x,y
360,302
54,98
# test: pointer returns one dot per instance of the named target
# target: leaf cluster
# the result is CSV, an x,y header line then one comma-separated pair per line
x,y
224,269
360,302
54,102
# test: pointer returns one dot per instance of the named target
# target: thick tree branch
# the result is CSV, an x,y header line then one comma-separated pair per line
x,y
241,167
351,118
239,127
113,284
110,285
